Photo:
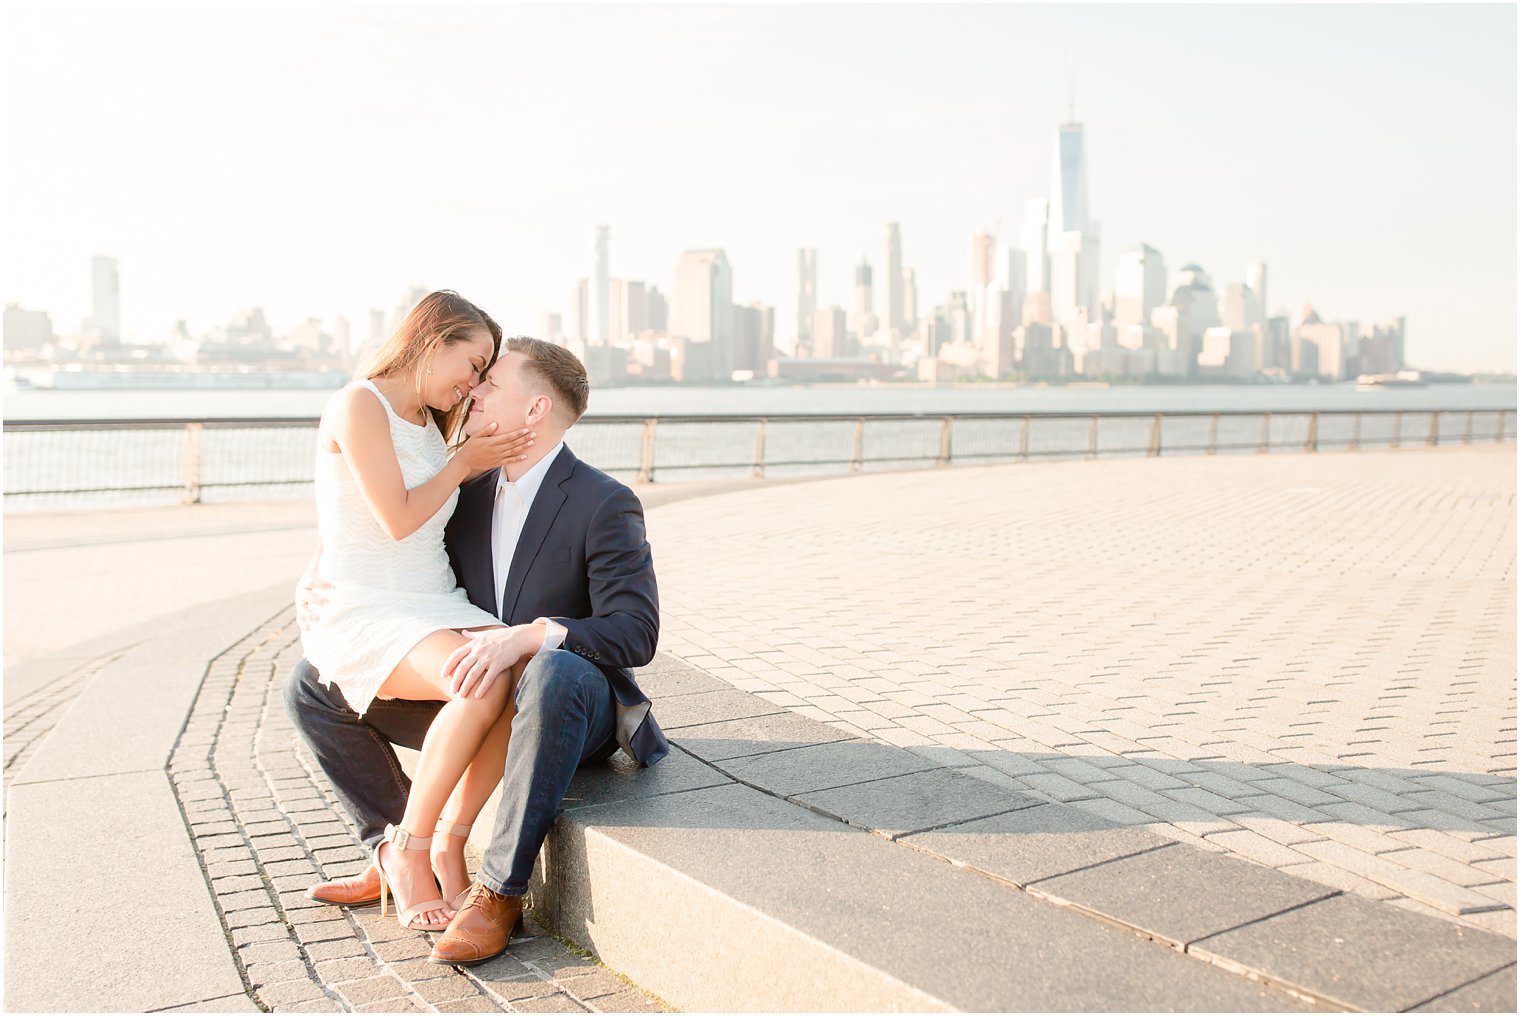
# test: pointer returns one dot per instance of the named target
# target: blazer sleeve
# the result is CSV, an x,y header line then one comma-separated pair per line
x,y
624,625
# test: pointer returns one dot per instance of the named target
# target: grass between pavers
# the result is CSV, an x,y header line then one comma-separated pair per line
x,y
577,950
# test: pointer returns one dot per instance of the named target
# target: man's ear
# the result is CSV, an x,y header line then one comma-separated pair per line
x,y
539,410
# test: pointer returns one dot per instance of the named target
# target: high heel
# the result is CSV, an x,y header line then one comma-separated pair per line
x,y
403,840
463,832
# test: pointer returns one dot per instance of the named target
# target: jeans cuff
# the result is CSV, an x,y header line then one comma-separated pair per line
x,y
498,887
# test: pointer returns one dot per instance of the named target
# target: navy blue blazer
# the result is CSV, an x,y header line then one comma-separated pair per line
x,y
582,560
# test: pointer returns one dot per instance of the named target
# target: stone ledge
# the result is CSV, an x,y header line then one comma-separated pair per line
x,y
810,870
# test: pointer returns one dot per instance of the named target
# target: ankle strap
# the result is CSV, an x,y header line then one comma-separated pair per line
x,y
403,840
452,830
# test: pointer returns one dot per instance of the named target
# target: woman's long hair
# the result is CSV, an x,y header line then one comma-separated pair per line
x,y
439,319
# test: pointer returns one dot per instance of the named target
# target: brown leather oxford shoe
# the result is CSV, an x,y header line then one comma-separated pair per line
x,y
357,891
481,929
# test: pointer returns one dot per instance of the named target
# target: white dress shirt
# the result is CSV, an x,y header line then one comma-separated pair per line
x,y
513,502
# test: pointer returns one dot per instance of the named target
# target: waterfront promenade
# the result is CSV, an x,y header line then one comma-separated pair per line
x,y
1242,726
1306,661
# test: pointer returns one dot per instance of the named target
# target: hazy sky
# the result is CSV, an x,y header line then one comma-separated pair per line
x,y
316,160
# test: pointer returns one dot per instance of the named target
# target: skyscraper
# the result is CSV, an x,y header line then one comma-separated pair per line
x,y
910,299
1074,279
658,309
1015,282
1068,184
1140,285
580,313
1238,308
1319,346
983,245
105,297
702,310
1256,278
807,294
1074,238
863,318
629,310
830,338
754,327
893,281
1014,276
600,327
1036,242
1197,311
959,315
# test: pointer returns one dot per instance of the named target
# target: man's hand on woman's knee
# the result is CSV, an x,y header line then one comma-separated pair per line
x,y
487,655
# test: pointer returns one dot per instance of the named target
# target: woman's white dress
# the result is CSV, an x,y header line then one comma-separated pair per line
x,y
388,595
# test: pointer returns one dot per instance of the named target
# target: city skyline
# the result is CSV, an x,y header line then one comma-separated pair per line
x,y
1348,230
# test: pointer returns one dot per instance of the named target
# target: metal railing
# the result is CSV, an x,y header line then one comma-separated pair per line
x,y
53,462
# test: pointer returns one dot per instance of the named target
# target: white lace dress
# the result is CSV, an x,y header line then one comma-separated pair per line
x,y
388,595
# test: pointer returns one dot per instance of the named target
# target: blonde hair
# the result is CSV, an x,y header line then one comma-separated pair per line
x,y
441,318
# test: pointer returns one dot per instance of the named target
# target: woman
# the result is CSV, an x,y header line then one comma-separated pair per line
x,y
386,486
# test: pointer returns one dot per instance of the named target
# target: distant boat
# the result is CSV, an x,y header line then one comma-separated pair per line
x,y
1403,379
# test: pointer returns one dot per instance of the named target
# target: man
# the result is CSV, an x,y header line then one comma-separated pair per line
x,y
556,549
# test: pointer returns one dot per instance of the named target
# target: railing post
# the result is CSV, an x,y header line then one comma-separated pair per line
x,y
1435,429
1154,451
1467,430
191,494
858,446
1024,440
757,470
1092,438
1265,445
1398,429
1213,434
646,451
944,441
1356,432
1312,444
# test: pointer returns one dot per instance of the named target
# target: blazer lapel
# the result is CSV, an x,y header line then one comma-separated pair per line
x,y
472,539
540,520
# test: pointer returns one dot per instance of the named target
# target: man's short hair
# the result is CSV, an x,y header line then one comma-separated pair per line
x,y
559,369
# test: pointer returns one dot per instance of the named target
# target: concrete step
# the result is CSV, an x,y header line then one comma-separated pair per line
x,y
772,863
99,862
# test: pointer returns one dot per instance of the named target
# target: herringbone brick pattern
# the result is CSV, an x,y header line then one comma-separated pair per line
x,y
1307,661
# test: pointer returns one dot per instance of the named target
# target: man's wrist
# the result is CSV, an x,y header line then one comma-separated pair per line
x,y
554,633
532,635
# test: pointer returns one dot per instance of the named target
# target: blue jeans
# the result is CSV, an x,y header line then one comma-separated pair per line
x,y
564,719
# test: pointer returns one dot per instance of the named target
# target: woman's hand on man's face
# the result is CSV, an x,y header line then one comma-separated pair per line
x,y
489,450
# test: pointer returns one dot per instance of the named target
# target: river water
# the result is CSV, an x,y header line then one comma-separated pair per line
x,y
820,399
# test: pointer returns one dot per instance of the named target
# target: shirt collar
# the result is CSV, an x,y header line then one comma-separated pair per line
x,y
527,485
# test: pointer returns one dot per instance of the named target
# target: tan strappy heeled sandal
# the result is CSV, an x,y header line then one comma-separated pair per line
x,y
403,840
445,828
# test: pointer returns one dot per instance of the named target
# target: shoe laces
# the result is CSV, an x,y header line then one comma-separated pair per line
x,y
479,893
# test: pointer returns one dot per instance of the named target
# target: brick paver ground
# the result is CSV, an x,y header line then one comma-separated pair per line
x,y
266,826
1304,660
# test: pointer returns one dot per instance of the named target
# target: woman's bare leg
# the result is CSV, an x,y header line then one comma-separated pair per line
x,y
452,742
480,780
